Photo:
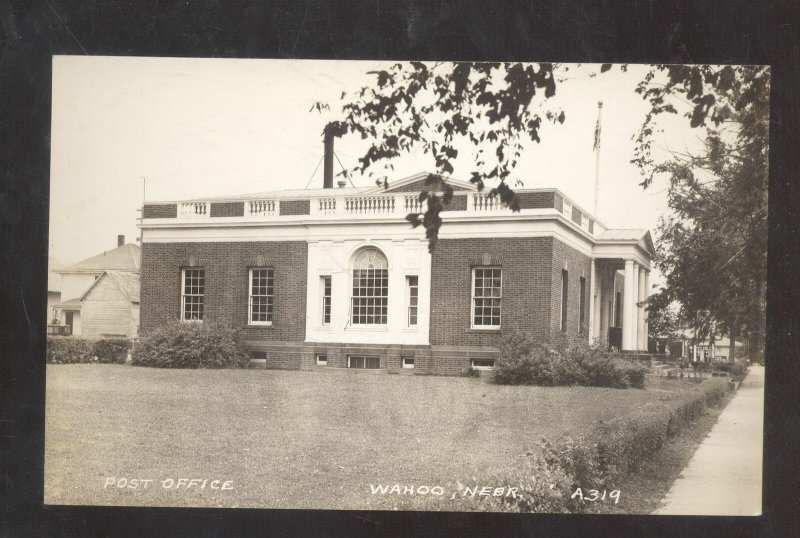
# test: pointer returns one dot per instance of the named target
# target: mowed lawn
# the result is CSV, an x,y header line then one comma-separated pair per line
x,y
294,439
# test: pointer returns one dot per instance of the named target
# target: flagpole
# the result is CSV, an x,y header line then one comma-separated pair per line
x,y
597,133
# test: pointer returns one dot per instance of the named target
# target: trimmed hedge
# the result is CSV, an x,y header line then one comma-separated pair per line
x,y
78,350
547,480
192,345
526,362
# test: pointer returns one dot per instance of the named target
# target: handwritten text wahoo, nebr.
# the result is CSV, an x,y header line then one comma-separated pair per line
x,y
477,491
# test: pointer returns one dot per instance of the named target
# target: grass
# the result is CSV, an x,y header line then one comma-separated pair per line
x,y
296,439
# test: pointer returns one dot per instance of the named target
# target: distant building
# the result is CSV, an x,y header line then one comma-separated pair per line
x,y
705,350
100,295
53,286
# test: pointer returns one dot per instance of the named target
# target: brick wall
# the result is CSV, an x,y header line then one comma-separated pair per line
x,y
527,287
578,265
226,284
536,200
558,202
227,209
576,215
295,207
160,211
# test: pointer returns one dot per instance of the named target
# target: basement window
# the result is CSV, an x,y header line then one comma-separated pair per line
x,y
322,359
408,362
482,364
361,362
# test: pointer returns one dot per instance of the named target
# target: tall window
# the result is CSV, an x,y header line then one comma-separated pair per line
x,y
582,303
487,297
193,294
325,285
412,286
564,297
369,303
261,295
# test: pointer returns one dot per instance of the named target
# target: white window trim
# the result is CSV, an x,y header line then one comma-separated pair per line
x,y
472,300
408,324
317,359
322,278
370,326
250,297
183,294
403,363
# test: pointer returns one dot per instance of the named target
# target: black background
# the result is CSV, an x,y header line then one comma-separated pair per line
x,y
753,32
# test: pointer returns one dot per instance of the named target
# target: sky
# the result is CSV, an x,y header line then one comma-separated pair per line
x,y
194,127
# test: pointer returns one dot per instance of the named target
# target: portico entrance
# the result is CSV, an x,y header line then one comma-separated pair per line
x,y
620,285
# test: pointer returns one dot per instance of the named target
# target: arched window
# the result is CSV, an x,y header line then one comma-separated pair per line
x,y
370,297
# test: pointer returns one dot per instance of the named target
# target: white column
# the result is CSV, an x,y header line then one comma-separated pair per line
x,y
629,307
592,284
641,345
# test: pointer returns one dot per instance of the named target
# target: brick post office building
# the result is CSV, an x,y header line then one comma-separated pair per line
x,y
337,278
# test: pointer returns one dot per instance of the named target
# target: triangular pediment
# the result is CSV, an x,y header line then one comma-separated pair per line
x,y
419,182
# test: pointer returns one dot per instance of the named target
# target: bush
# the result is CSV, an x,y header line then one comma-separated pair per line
x,y
70,350
524,362
548,479
78,350
112,350
191,345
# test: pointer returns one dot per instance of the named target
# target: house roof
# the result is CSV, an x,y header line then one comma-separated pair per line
x,y
72,304
53,276
126,281
124,258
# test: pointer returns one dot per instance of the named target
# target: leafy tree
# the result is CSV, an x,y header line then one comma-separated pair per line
x,y
712,247
495,107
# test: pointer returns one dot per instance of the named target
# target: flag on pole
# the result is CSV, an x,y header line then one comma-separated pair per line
x,y
597,131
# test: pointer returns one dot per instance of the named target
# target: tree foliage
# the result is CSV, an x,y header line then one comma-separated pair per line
x,y
712,247
495,107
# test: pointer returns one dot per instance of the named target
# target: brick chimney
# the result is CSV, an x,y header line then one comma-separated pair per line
x,y
120,240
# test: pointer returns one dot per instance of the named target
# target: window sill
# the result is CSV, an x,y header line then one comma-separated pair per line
x,y
251,324
486,330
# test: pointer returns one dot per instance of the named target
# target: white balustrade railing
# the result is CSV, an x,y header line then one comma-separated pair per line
x,y
412,204
485,202
326,206
266,208
369,205
188,210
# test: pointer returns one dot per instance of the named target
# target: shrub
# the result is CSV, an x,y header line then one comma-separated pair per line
x,y
548,479
563,364
635,372
78,350
191,345
112,350
70,350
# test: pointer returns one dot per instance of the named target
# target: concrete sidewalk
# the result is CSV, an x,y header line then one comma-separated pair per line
x,y
724,476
